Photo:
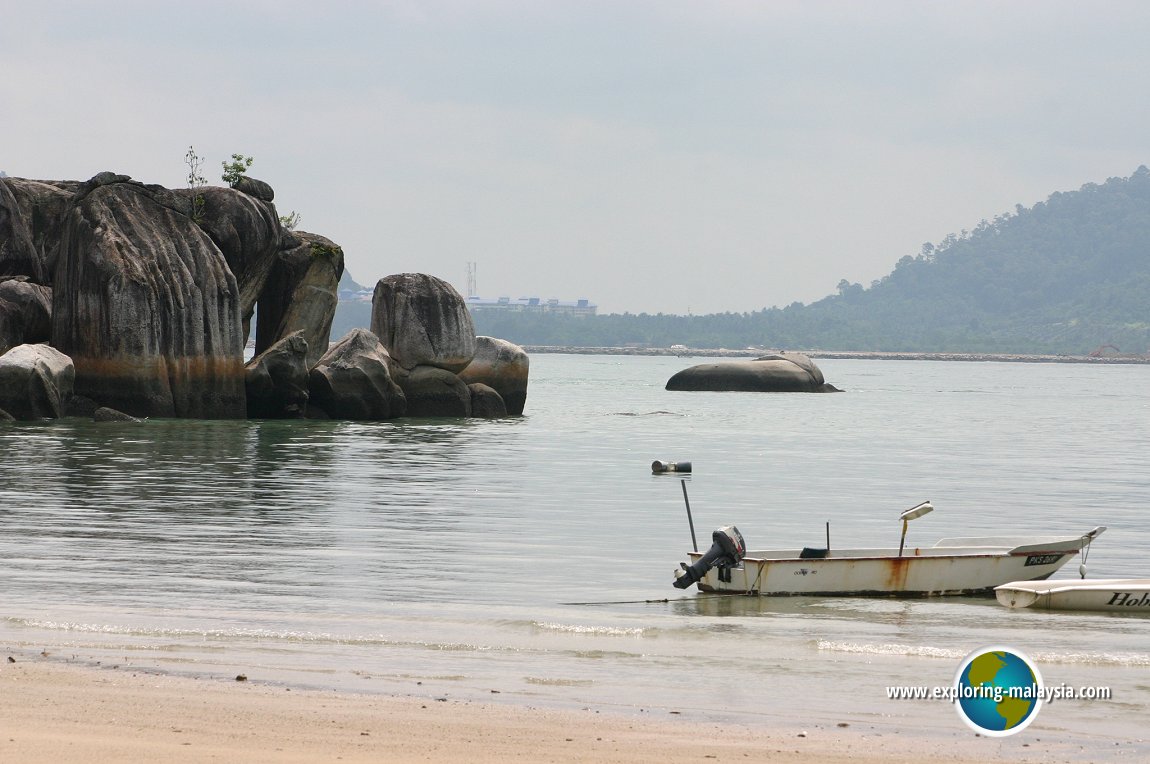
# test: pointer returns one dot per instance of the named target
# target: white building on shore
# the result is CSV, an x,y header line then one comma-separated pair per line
x,y
533,305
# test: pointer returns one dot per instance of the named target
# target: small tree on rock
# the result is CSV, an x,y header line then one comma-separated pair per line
x,y
234,169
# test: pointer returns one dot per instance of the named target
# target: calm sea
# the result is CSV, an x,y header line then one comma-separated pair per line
x,y
530,560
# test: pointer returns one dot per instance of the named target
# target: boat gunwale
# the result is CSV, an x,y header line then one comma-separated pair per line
x,y
845,558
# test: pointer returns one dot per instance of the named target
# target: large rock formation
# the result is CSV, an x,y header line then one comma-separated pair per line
x,y
247,231
353,380
423,321
504,367
301,295
277,380
146,306
788,373
25,313
30,213
151,293
35,382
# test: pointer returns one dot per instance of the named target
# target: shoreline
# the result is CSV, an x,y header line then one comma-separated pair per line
x,y
837,354
55,710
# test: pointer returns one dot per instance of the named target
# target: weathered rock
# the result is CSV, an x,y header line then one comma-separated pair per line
x,y
277,380
353,380
790,373
35,382
256,188
105,414
435,392
6,417
30,216
105,178
502,365
147,307
423,321
25,313
301,294
485,402
79,405
800,360
247,231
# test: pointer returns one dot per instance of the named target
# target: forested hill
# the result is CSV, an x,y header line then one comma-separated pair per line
x,y
1065,276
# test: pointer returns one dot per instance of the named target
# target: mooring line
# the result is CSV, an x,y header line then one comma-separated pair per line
x,y
653,602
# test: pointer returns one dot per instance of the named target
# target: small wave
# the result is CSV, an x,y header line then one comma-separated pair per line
x,y
243,634
649,413
889,649
598,631
1139,660
558,682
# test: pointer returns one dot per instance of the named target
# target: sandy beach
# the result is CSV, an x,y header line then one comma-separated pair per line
x,y
56,711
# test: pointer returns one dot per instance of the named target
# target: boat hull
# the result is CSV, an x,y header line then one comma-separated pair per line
x,y
1116,595
879,576
953,566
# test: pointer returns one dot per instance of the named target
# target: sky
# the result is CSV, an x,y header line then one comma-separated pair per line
x,y
659,157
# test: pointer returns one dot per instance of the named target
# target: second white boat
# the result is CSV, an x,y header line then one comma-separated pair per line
x,y
1127,595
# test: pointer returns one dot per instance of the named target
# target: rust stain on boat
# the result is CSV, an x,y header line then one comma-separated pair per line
x,y
896,570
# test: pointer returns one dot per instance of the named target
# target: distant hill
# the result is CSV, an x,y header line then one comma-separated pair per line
x,y
1067,275
352,311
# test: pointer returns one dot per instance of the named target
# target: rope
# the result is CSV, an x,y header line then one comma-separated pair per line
x,y
652,602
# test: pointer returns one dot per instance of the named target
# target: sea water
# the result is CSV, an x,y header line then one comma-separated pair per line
x,y
530,560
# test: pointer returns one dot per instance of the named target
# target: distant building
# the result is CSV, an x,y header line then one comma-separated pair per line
x,y
533,305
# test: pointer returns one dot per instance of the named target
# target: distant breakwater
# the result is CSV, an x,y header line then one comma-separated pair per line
x,y
860,354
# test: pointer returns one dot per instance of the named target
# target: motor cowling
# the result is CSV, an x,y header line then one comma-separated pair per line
x,y
727,550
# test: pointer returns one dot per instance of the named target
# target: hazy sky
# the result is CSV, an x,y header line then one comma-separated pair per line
x,y
657,156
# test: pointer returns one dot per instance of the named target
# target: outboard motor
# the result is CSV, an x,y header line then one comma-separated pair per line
x,y
727,551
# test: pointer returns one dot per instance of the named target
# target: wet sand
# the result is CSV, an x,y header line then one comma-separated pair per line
x,y
53,711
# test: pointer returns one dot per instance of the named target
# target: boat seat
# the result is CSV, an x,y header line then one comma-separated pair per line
x,y
810,553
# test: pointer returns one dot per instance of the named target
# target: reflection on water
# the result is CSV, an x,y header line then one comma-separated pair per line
x,y
372,555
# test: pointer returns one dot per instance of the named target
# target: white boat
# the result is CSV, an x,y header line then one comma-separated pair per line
x,y
953,566
1127,595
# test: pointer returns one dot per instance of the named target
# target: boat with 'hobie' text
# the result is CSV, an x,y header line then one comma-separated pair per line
x,y
1126,595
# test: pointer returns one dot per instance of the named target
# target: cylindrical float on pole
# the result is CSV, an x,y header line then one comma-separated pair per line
x,y
658,467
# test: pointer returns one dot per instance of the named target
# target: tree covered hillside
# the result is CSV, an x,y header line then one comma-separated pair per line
x,y
1064,276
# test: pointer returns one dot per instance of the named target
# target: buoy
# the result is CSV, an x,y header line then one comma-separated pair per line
x,y
658,467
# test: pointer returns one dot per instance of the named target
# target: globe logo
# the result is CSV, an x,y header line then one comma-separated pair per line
x,y
998,691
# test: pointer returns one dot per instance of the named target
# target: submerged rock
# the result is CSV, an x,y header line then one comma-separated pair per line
x,y
80,405
35,382
785,373
105,414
